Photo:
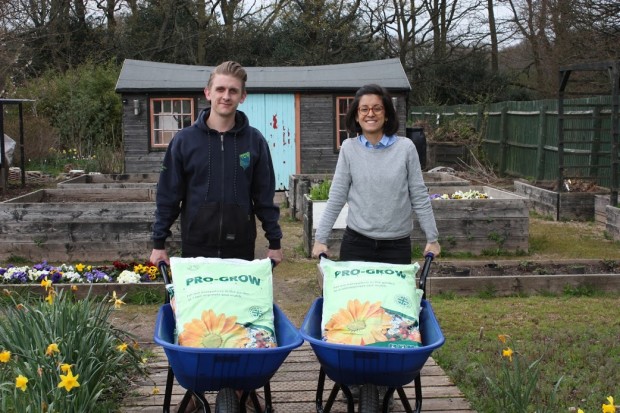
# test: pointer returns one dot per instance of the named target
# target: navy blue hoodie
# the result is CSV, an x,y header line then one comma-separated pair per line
x,y
219,183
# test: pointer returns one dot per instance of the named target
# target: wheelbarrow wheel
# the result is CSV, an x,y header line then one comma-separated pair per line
x,y
227,401
369,399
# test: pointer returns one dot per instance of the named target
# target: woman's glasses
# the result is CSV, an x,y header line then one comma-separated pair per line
x,y
377,109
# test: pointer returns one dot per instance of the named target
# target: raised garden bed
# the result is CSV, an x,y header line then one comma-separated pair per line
x,y
500,223
111,181
299,186
559,205
510,277
68,225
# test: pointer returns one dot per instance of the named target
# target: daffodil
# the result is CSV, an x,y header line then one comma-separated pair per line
x,y
51,349
155,390
117,301
80,267
21,383
69,381
45,283
610,406
5,356
50,297
122,347
503,338
507,352
579,411
74,288
64,367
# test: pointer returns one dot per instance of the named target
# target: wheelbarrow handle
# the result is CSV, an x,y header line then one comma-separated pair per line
x,y
428,258
163,269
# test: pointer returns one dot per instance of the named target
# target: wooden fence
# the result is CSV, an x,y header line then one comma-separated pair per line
x,y
521,138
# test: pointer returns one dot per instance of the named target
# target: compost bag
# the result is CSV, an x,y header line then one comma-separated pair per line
x,y
371,304
223,303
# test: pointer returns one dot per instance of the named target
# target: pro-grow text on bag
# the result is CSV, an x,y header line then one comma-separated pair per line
x,y
223,302
371,304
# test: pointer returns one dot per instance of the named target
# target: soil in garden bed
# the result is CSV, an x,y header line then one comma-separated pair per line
x,y
447,268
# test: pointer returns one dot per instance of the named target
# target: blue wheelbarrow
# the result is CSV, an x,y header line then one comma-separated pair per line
x,y
372,367
226,371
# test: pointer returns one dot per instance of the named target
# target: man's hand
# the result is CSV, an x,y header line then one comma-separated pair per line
x,y
159,255
276,256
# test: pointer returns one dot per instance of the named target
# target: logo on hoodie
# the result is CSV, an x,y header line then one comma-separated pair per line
x,y
244,160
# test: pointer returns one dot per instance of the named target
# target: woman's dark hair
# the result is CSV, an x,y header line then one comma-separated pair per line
x,y
390,127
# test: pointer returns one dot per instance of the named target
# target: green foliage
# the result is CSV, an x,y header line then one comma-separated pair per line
x,y
581,290
511,388
144,296
577,336
81,105
86,342
320,192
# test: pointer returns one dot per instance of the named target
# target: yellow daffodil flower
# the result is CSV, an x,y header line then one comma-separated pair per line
x,y
503,338
579,411
74,288
507,352
69,381
50,297
79,267
609,407
89,268
5,356
117,301
45,283
51,349
122,347
64,367
155,390
21,383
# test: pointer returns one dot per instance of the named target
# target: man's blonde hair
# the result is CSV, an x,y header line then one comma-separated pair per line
x,y
230,68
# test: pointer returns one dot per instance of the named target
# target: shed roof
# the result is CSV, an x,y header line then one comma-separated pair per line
x,y
145,76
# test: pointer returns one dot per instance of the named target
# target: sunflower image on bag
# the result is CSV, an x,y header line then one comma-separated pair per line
x,y
371,304
223,303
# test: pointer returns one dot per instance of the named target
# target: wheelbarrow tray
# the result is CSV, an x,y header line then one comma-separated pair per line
x,y
212,369
352,364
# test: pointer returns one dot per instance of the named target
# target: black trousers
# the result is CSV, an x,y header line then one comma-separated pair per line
x,y
358,247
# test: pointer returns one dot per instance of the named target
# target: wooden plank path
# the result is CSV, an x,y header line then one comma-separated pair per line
x,y
293,388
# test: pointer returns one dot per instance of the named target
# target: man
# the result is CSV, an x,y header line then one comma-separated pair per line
x,y
218,175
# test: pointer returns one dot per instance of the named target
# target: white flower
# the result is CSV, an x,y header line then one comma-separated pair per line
x,y
128,277
72,277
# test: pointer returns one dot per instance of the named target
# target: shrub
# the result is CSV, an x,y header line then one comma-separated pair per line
x,y
59,354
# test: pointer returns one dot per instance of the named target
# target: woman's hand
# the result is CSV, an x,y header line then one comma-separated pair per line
x,y
432,247
319,249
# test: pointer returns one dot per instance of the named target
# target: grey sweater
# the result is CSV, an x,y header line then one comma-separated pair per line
x,y
383,187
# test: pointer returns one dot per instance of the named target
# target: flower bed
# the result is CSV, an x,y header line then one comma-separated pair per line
x,y
483,220
118,272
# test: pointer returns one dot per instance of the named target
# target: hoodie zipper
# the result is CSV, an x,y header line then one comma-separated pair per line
x,y
219,252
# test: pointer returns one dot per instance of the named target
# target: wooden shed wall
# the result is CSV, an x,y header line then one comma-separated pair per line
x,y
317,126
318,129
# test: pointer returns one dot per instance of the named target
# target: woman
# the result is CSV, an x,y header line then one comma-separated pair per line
x,y
378,174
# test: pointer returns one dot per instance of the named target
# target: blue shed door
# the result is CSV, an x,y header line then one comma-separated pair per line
x,y
274,116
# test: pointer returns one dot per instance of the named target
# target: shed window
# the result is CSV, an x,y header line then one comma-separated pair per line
x,y
342,106
168,116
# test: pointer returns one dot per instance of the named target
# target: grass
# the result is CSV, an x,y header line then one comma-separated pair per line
x,y
561,240
576,336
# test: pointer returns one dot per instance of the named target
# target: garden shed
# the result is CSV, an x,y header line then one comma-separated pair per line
x,y
300,110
